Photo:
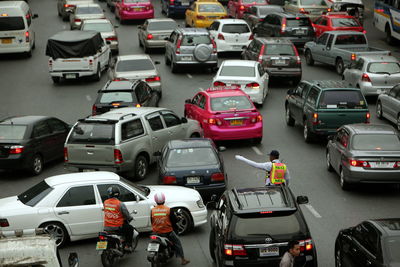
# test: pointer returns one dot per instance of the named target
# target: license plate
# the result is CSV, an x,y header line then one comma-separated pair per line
x,y
237,46
193,180
236,122
380,91
137,9
300,31
381,164
101,245
153,247
279,62
269,252
185,3
6,41
70,76
188,58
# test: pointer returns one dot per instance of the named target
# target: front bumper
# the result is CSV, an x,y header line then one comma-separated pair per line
x,y
96,167
361,175
216,133
199,217
130,15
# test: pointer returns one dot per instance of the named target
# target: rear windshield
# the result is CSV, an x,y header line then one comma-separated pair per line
x,y
393,248
349,39
240,71
16,132
376,142
344,22
115,97
98,133
269,9
11,23
312,2
342,99
194,40
200,156
235,28
384,67
230,103
254,1
88,10
279,49
134,65
211,8
162,26
36,193
300,22
99,27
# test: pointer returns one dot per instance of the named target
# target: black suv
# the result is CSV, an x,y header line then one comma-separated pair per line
x,y
124,93
252,226
295,27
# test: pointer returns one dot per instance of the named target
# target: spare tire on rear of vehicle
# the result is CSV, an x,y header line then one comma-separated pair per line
x,y
202,52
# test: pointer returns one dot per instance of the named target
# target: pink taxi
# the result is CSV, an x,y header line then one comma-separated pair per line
x,y
134,9
225,113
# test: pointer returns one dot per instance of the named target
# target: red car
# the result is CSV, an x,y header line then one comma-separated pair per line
x,y
236,8
339,21
225,113
134,9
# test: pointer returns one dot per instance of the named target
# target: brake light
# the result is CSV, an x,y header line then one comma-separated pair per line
x,y
4,223
220,37
69,5
91,62
365,78
102,237
258,118
283,27
359,163
214,121
153,79
298,59
306,245
16,149
353,56
216,84
94,110
65,154
149,36
234,250
315,118
261,53
217,177
116,104
200,17
27,36
251,37
178,46
169,179
112,38
303,11
118,156
266,212
367,117
253,85
153,237
364,32
329,9
214,46
241,8
138,105
78,20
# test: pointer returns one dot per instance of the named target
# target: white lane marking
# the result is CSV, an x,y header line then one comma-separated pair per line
x,y
313,211
257,150
189,76
64,27
201,89
88,98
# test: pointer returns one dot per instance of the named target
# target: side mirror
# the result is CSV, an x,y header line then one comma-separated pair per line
x,y
188,101
157,62
221,148
73,260
302,200
212,205
157,154
35,16
184,120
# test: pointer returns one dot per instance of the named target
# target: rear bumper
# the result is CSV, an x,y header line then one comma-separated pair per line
x,y
284,72
369,89
216,133
26,47
14,162
202,23
95,167
155,43
211,63
77,73
127,15
206,191
307,261
223,46
199,217
361,175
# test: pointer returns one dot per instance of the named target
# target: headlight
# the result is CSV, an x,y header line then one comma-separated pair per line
x,y
200,203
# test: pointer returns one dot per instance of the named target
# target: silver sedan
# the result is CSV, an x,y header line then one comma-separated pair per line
x,y
106,29
83,12
373,74
388,106
153,32
136,67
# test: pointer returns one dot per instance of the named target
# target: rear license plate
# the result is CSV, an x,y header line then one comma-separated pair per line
x,y
187,58
137,9
6,41
185,3
236,122
381,164
70,76
236,46
300,31
279,62
269,252
193,180
88,170
153,247
101,245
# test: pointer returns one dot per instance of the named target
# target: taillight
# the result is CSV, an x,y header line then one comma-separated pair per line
x,y
16,149
200,17
138,105
102,237
216,84
367,117
306,245
359,163
315,118
214,121
234,250
112,38
169,179
178,46
149,36
253,85
396,164
251,37
27,36
214,46
258,118
65,154
261,53
298,59
153,79
303,11
69,5
153,237
94,110
118,156
241,8
220,36
91,62
353,56
78,20
217,177
4,223
364,32
283,27
365,78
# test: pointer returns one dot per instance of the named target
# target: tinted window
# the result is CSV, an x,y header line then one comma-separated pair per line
x,y
211,8
393,247
36,193
312,2
376,142
394,91
384,67
200,156
301,22
230,103
237,71
162,25
367,237
125,195
78,196
235,28
312,97
322,39
202,102
155,123
16,132
100,27
100,133
41,129
11,23
134,65
348,39
110,97
194,40
131,129
344,22
88,10
279,49
56,125
342,99
171,120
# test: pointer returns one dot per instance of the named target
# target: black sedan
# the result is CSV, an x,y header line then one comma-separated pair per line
x,y
28,142
372,243
194,163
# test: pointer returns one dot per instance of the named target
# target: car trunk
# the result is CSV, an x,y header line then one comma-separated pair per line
x,y
137,7
92,154
105,107
9,39
237,119
300,27
236,37
384,80
160,35
378,160
136,75
334,118
89,16
197,176
71,64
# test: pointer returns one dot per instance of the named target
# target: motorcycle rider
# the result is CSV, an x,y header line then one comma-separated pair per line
x,y
117,217
161,222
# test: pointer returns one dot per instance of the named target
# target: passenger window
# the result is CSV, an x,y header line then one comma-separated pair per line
x,y
131,129
41,129
324,22
56,125
125,196
395,91
305,90
344,139
260,70
78,196
170,119
330,40
312,97
299,89
322,39
202,102
366,237
155,123
195,100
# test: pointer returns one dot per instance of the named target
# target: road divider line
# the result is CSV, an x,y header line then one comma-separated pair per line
x,y
189,76
258,152
88,98
313,211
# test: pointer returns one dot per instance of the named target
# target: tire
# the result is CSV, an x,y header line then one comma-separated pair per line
x,y
174,67
338,257
328,162
194,135
167,61
141,167
389,38
97,76
29,53
309,58
184,223
343,181
379,112
56,80
108,259
339,66
57,231
211,244
289,119
306,132
36,166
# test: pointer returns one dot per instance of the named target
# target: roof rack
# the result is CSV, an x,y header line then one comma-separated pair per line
x,y
237,198
126,115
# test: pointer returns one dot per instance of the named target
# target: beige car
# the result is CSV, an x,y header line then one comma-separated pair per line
x,y
106,29
85,12
311,8
154,32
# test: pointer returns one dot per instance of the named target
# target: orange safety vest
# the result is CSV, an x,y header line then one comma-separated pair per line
x,y
160,220
113,216
277,175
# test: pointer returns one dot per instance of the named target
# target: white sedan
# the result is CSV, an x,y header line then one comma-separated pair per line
x,y
248,75
69,206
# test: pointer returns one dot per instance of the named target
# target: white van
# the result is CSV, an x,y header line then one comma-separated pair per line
x,y
16,34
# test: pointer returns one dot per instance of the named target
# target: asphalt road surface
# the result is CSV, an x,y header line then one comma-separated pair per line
x,y
26,89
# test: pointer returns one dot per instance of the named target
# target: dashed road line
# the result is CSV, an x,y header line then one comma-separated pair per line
x,y
189,76
257,150
88,98
313,211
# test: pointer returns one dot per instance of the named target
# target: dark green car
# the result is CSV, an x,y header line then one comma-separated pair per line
x,y
323,106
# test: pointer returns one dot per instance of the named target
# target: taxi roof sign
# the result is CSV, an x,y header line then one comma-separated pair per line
x,y
222,88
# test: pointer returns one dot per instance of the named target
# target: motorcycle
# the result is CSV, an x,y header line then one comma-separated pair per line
x,y
111,245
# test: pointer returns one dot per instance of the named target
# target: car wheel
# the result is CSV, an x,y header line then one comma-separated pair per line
x,y
141,166
398,122
389,38
289,119
343,181
309,58
328,162
211,244
167,61
338,257
57,231
108,258
379,112
339,66
183,222
36,166
306,132
174,67
56,80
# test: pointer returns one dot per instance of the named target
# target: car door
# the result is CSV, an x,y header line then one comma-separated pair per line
x,y
43,140
327,56
169,49
80,211
190,106
248,53
319,47
300,100
159,133
176,129
357,72
220,229
264,28
391,103
263,77
59,133
340,149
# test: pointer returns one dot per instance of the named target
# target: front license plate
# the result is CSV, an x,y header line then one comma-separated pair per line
x,y
193,180
236,122
381,165
187,58
101,245
70,76
153,247
269,252
6,41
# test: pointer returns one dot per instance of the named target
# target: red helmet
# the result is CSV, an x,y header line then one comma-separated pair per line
x,y
159,198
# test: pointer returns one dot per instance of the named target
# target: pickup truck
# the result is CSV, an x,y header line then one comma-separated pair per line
x,y
339,49
75,54
323,106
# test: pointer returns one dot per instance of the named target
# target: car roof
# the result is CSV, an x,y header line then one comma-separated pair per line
x,y
133,57
220,92
89,21
117,114
190,143
75,178
390,226
276,40
160,20
193,30
119,85
330,84
267,6
23,119
237,62
379,58
363,128
231,21
208,2
12,4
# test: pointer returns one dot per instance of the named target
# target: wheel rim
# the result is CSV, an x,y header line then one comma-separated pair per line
x,y
379,110
141,168
338,259
305,131
182,223
56,232
339,67
37,164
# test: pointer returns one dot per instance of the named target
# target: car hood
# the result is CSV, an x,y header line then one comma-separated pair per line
x,y
135,74
10,204
174,193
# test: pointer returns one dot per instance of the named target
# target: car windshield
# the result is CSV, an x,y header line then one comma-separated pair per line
x,y
114,97
279,49
193,40
378,142
254,2
237,71
228,103
347,99
393,247
36,193
100,27
211,8
384,67
268,10
136,1
88,10
235,28
162,26
134,65
141,188
92,132
186,157
16,132
297,22
312,3
350,39
11,23
345,22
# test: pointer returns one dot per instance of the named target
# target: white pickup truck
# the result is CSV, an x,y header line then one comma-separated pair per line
x,y
75,54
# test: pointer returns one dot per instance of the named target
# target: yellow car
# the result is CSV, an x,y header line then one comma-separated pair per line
x,y
202,13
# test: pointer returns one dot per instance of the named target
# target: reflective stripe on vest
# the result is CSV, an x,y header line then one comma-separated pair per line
x,y
160,220
278,171
113,216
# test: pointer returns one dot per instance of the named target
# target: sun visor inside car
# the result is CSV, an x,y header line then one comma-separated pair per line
x,y
68,44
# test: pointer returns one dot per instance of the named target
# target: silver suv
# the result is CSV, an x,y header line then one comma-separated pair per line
x,y
124,140
190,46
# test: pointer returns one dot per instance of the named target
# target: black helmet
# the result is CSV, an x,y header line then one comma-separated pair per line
x,y
113,191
